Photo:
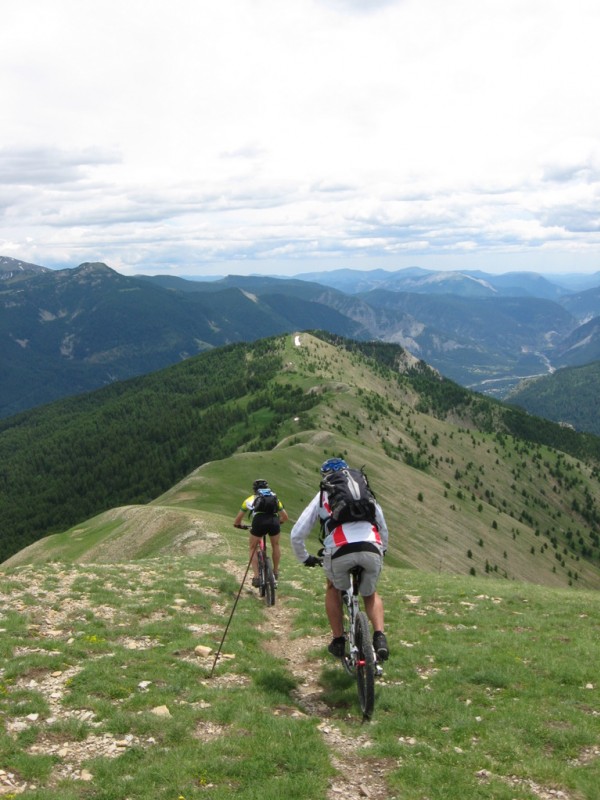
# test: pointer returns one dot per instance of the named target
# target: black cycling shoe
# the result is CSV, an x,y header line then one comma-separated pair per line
x,y
337,646
256,582
380,646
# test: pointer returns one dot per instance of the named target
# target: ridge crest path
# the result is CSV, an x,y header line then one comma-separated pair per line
x,y
359,775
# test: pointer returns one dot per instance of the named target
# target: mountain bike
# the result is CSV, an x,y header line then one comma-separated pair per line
x,y
266,577
359,659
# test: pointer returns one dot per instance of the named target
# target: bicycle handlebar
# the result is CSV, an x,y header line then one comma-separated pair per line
x,y
313,561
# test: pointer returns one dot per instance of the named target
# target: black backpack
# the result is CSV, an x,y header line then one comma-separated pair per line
x,y
265,502
350,497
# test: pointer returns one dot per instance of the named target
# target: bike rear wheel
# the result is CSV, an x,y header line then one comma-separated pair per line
x,y
262,574
365,665
269,582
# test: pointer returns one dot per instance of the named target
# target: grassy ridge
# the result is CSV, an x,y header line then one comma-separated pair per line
x,y
491,691
457,498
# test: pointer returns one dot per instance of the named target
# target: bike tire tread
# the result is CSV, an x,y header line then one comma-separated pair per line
x,y
365,673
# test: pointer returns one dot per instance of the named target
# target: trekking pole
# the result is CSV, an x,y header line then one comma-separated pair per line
x,y
233,609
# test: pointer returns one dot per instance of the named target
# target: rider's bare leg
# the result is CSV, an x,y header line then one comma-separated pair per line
x,y
374,608
276,550
333,607
253,547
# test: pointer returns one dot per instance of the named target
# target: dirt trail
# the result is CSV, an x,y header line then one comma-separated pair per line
x,y
359,775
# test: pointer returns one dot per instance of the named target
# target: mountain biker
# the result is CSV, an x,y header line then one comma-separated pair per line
x,y
263,522
360,543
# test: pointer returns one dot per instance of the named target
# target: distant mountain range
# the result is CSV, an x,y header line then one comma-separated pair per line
x,y
64,332
467,283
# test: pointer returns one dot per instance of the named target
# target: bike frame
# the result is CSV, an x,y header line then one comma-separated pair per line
x,y
265,572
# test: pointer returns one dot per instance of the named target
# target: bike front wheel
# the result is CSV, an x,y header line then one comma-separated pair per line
x,y
365,665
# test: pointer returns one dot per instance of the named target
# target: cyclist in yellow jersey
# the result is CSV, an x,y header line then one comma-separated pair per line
x,y
267,513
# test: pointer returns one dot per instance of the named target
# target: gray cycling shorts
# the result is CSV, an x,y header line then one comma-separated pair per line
x,y
337,570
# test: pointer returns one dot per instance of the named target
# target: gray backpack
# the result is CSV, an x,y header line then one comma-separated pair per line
x,y
350,497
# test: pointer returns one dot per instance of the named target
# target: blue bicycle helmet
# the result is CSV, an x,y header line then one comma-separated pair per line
x,y
333,465
259,483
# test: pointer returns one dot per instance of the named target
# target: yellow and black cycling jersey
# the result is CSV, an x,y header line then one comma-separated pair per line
x,y
247,505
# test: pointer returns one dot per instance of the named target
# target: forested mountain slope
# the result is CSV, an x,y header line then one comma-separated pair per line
x,y
582,346
569,395
468,485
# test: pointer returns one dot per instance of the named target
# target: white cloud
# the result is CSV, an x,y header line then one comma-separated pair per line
x,y
256,135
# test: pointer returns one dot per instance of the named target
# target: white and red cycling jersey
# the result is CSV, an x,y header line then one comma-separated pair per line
x,y
348,533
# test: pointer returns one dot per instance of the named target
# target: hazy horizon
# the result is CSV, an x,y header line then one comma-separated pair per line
x,y
254,270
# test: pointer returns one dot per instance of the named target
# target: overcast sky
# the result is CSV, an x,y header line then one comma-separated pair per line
x,y
285,136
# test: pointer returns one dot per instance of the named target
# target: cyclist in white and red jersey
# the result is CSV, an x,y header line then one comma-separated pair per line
x,y
359,543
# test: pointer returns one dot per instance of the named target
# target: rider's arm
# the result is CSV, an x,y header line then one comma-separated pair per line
x,y
303,527
238,520
381,526
283,515
246,508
